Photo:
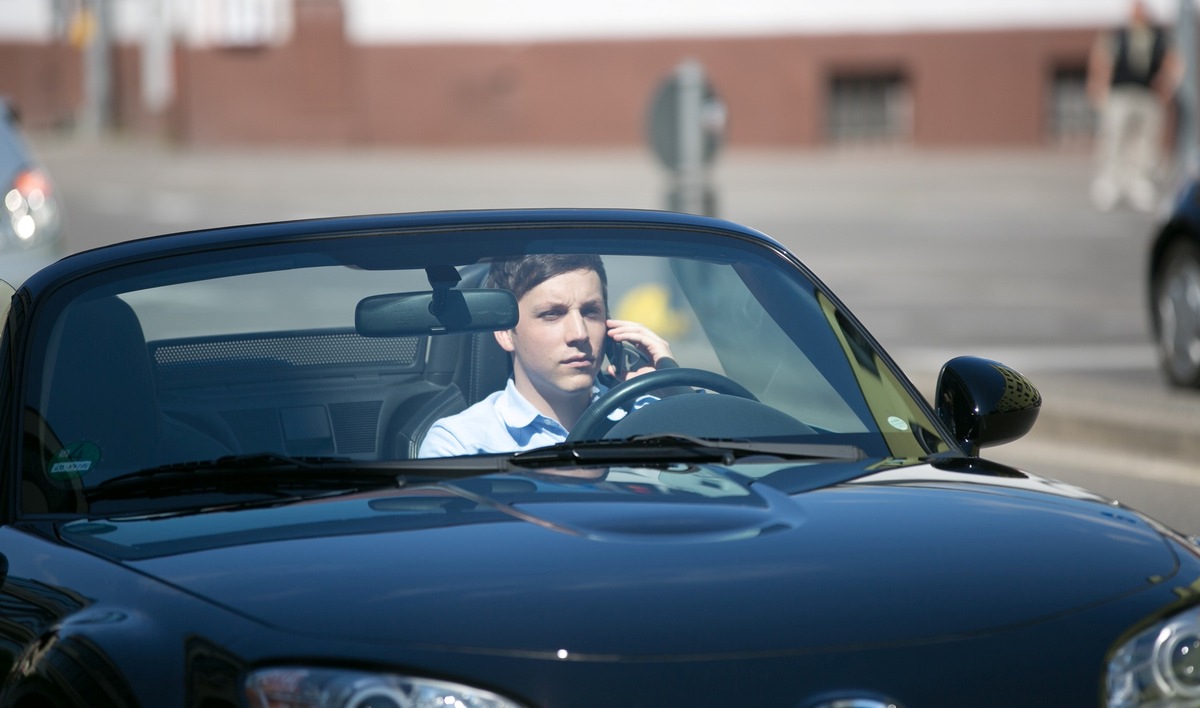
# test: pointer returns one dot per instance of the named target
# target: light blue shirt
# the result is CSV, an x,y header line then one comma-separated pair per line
x,y
502,422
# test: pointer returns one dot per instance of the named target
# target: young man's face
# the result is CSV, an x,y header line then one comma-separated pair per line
x,y
558,342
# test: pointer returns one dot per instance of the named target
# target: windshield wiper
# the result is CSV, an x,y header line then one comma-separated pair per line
x,y
274,472
266,470
671,448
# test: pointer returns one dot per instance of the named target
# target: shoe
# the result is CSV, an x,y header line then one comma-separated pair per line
x,y
1143,196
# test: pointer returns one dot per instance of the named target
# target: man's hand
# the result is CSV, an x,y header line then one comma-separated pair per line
x,y
653,346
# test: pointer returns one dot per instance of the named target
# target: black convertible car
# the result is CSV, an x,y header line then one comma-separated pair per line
x,y
219,489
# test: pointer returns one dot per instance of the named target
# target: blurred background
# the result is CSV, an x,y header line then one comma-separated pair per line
x,y
930,160
926,73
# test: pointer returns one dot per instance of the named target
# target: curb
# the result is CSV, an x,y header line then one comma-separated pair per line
x,y
1158,421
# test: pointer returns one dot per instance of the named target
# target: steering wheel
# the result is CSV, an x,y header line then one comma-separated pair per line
x,y
594,422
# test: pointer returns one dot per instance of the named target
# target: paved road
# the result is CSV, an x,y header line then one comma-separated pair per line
x,y
996,254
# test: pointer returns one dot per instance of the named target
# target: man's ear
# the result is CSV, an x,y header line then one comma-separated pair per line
x,y
504,339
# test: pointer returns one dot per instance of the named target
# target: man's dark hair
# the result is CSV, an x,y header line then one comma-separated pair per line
x,y
520,275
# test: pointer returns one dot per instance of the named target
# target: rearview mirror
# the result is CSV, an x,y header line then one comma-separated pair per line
x,y
411,314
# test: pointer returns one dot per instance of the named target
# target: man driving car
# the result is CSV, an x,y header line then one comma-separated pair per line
x,y
557,349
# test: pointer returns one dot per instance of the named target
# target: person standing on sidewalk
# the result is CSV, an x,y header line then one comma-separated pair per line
x,y
1133,73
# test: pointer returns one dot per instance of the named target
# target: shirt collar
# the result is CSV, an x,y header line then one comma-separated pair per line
x,y
517,412
514,410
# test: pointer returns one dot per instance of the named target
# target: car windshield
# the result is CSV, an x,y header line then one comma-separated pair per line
x,y
358,348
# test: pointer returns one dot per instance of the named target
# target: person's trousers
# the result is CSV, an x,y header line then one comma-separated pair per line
x,y
1129,143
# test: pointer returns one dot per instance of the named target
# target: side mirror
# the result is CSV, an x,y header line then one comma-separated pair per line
x,y
985,403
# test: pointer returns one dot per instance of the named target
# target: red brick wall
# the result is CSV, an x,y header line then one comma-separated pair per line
x,y
985,88
45,81
302,92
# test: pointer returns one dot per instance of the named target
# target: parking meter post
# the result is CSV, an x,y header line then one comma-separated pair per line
x,y
94,30
685,127
690,172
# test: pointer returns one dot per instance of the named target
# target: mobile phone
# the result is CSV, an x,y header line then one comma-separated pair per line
x,y
625,356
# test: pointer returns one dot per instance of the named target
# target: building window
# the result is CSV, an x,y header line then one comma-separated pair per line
x,y
239,23
869,108
1071,120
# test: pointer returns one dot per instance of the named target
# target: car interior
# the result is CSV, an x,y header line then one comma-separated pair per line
x,y
129,383
328,392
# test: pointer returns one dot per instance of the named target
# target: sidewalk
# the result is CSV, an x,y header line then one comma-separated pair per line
x,y
1135,418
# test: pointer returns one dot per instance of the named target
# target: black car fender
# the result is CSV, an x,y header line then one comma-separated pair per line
x,y
61,648
68,671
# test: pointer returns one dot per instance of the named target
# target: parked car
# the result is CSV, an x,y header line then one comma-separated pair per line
x,y
31,216
1174,289
214,495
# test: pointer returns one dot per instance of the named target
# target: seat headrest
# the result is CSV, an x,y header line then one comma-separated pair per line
x,y
101,385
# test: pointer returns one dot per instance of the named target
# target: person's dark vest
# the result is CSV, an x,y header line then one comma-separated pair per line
x,y
1124,74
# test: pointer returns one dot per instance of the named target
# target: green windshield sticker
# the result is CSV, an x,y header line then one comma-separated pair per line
x,y
74,460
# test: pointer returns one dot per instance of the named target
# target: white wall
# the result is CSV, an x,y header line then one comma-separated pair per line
x,y
386,21
26,20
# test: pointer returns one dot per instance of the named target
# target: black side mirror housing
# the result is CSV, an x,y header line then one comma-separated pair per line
x,y
985,403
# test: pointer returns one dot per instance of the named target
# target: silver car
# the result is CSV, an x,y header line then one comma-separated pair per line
x,y
31,218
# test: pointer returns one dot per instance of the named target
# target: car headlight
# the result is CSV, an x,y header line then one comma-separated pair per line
x,y
301,687
31,208
1159,666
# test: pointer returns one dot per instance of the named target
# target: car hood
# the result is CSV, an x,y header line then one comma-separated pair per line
x,y
704,562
